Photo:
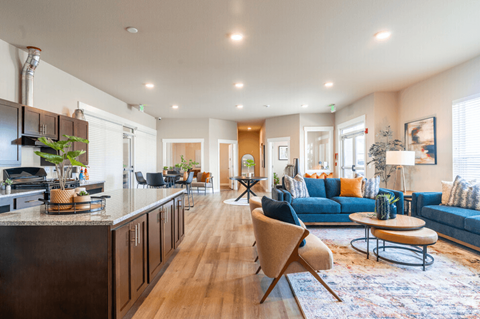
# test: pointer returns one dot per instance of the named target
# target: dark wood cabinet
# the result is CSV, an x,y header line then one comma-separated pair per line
x,y
10,133
155,249
179,220
168,230
75,127
40,123
130,264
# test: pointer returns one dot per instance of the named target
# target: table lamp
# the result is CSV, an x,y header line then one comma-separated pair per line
x,y
400,159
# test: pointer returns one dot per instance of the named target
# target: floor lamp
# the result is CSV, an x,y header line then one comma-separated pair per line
x,y
401,159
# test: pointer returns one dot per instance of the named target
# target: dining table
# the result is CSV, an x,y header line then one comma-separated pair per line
x,y
171,178
248,182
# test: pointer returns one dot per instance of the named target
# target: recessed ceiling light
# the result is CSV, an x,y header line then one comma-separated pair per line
x,y
304,105
239,106
267,105
149,85
132,30
249,128
236,36
329,84
383,35
174,106
239,85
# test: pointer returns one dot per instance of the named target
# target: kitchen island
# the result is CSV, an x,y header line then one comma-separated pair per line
x,y
93,265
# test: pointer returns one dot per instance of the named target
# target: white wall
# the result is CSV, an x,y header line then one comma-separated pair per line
x,y
219,130
433,97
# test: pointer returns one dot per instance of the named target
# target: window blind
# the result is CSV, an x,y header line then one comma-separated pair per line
x,y
466,138
105,155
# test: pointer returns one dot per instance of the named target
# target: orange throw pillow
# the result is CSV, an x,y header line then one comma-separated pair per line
x,y
323,175
314,175
206,178
351,187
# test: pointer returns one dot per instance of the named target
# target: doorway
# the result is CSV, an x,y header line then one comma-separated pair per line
x,y
227,150
353,151
278,157
128,157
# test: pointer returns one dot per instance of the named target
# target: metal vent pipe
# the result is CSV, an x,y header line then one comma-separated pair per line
x,y
28,71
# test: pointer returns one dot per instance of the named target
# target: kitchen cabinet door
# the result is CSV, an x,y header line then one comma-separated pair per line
x,y
179,220
168,230
10,131
81,130
130,264
155,257
50,123
32,121
66,127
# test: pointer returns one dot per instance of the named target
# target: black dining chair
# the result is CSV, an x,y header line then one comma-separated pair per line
x,y
140,179
188,186
155,180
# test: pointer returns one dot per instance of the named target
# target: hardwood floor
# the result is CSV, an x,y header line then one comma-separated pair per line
x,y
213,272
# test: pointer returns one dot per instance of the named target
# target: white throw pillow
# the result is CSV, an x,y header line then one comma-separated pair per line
x,y
446,191
296,186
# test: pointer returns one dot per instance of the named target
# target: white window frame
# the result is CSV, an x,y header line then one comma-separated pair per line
x,y
183,140
342,126
328,129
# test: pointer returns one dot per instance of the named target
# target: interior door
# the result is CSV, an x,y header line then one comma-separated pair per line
x,y
231,169
353,154
127,161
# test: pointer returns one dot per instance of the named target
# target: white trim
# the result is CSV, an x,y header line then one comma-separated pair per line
x,y
328,129
474,96
340,127
235,160
165,141
107,116
269,158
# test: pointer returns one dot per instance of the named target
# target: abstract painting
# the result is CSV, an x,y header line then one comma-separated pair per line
x,y
420,136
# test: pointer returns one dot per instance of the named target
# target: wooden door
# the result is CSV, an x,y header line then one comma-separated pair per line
x,y
50,123
32,121
138,258
155,258
81,130
123,238
168,230
10,130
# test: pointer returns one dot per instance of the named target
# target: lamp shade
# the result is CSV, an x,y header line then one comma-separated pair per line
x,y
400,158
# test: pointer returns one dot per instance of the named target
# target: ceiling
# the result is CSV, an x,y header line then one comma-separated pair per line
x,y
290,49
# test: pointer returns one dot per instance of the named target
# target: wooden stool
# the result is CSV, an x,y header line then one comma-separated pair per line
x,y
422,237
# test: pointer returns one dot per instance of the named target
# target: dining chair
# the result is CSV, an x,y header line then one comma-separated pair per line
x,y
140,179
155,180
279,251
172,180
188,186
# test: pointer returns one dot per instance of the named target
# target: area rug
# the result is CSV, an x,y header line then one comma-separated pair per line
x,y
450,288
241,202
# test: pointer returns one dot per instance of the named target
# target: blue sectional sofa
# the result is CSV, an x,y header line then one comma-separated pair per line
x,y
459,224
325,204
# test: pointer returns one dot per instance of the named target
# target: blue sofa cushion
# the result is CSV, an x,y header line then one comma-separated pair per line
x,y
281,211
332,186
472,224
315,205
316,187
355,204
447,215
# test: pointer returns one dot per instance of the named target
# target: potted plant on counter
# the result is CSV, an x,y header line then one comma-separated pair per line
x,y
8,185
250,163
63,155
82,197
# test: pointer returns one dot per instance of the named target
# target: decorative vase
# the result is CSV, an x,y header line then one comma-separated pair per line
x,y
8,189
82,199
382,207
58,196
393,211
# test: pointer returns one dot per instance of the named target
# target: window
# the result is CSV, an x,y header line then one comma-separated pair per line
x,y
318,149
466,138
353,150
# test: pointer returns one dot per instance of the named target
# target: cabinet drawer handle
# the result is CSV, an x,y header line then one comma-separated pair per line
x,y
136,234
139,232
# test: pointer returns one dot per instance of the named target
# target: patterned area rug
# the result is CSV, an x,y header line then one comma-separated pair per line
x,y
450,288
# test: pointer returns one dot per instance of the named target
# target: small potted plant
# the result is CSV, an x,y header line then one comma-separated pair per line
x,y
250,163
385,206
165,170
276,179
8,185
82,197
63,155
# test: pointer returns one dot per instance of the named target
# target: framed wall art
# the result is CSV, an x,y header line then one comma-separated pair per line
x,y
421,137
283,153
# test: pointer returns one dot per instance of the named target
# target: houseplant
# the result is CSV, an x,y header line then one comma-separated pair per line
x,y
63,156
276,179
250,163
186,166
82,197
385,206
8,185
379,153
165,170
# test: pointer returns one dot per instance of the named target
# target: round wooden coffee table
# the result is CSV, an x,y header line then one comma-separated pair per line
x,y
369,220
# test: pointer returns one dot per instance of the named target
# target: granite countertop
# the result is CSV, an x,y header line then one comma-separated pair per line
x,y
123,204
20,192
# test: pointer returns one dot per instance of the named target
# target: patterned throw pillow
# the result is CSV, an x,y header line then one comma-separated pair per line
x,y
465,195
296,186
447,190
372,187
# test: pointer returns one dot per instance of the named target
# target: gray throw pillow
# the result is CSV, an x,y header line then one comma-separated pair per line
x,y
465,195
372,187
296,186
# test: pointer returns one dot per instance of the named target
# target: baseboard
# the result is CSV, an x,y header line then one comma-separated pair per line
x,y
459,242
